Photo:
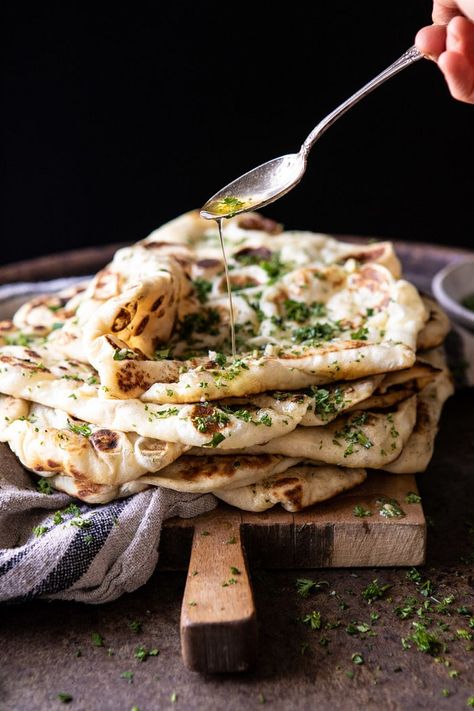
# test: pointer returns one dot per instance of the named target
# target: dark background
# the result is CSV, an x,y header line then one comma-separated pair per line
x,y
115,121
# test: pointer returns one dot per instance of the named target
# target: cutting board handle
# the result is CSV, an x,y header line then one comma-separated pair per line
x,y
218,620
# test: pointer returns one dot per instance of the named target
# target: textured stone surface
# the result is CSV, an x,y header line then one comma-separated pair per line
x,y
40,640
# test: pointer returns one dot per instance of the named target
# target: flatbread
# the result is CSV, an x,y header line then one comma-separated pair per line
x,y
436,328
201,475
38,376
360,439
418,450
308,309
295,489
90,462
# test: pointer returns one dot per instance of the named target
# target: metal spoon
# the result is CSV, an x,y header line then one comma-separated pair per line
x,y
272,180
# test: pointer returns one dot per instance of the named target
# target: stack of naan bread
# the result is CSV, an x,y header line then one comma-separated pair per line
x,y
127,380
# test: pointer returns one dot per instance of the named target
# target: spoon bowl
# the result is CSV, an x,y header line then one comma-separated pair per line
x,y
257,188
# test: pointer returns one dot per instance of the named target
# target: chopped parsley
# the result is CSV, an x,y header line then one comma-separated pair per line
x,y
374,591
317,332
313,619
220,359
205,321
161,354
204,422
202,288
300,312
123,354
142,654
468,302
64,698
44,487
161,414
217,438
231,201
83,430
361,512
97,639
360,334
305,586
353,434
357,658
390,508
39,531
327,402
425,641
136,626
128,675
412,498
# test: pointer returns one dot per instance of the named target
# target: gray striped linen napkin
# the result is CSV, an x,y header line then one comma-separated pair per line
x,y
88,553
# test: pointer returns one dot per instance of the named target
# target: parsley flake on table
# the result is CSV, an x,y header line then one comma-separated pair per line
x,y
142,654
425,641
361,512
97,639
357,658
374,591
412,498
128,675
304,586
313,619
65,698
135,626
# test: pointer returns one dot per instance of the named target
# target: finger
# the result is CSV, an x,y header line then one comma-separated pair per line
x,y
460,38
431,41
459,75
444,11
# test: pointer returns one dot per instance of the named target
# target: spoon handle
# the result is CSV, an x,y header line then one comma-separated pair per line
x,y
410,56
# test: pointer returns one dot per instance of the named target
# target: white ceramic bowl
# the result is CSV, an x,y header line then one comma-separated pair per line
x,y
451,285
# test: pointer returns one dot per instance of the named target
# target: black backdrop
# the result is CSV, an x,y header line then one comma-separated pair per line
x,y
115,121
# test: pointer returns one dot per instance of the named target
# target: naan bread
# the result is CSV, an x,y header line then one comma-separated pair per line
x,y
201,475
436,328
125,381
252,237
418,450
91,462
36,375
361,439
295,489
308,308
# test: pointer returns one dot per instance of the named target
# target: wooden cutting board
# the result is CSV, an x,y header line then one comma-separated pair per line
x,y
218,616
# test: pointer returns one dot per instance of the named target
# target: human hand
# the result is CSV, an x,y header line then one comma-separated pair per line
x,y
450,42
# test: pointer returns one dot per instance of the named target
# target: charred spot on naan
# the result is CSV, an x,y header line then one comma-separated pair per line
x,y
130,376
208,419
104,440
225,466
255,221
253,254
23,363
123,317
105,285
289,489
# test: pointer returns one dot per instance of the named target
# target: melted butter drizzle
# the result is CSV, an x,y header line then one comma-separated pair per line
x,y
229,291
